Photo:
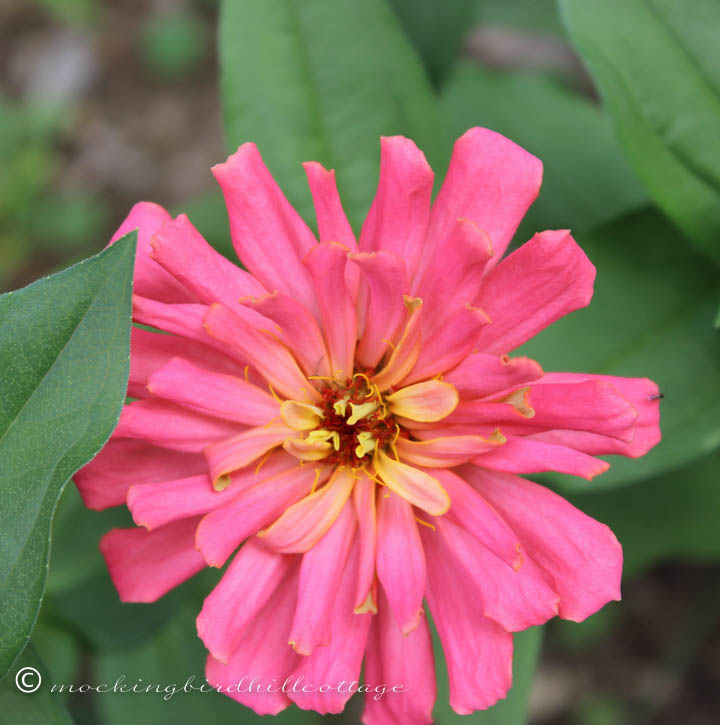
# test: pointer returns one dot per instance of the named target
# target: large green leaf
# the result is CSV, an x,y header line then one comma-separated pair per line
x,y
657,63
64,366
586,180
40,707
437,30
651,316
322,80
510,711
167,662
672,517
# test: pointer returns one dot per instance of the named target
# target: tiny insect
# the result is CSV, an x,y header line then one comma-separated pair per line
x,y
656,396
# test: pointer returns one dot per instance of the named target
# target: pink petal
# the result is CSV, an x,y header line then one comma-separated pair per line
x,y
221,531
445,452
525,455
321,573
400,560
261,661
183,252
398,218
150,279
479,375
385,312
297,330
450,345
158,504
515,600
415,486
364,503
406,351
268,234
185,320
245,589
454,275
144,565
271,358
302,525
642,394
171,426
338,665
593,405
478,651
428,402
150,351
490,181
545,279
123,462
223,396
582,556
474,514
403,662
333,225
326,264
230,454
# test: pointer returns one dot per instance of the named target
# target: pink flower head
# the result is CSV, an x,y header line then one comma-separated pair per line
x,y
343,424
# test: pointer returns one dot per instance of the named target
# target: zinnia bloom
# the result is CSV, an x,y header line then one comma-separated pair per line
x,y
343,424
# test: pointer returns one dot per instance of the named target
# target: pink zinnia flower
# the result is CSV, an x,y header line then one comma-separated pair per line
x,y
349,411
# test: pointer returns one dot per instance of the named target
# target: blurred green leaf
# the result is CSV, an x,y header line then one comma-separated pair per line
x,y
539,16
64,361
437,30
172,44
168,661
651,316
673,516
657,63
586,180
510,711
33,708
322,80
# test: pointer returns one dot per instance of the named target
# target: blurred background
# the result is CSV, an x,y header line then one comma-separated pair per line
x,y
106,103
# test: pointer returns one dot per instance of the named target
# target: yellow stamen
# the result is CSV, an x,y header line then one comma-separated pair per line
x,y
361,410
222,483
366,443
340,407
301,416
318,471
425,523
274,394
247,370
262,462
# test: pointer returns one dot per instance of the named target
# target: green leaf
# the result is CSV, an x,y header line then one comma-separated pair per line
x,y
651,316
586,180
34,708
671,517
166,663
657,63
510,711
437,30
321,80
64,361
537,16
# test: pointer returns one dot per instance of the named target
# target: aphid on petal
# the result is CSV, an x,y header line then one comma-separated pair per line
x,y
344,421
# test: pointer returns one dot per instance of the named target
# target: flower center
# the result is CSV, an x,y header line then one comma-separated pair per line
x,y
345,428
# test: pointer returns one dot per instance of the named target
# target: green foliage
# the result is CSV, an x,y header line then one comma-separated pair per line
x,y
670,517
36,708
173,44
437,30
322,80
657,63
64,363
586,180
